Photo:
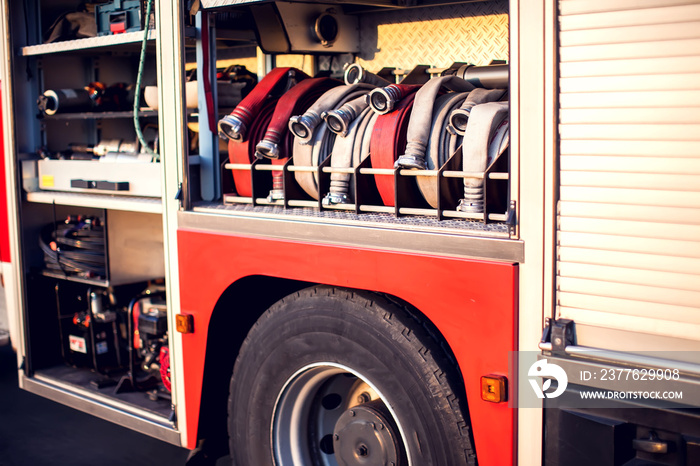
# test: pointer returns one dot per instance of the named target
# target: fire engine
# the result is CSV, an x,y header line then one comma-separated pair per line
x,y
386,232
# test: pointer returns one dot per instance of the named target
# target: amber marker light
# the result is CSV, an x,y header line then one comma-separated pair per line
x,y
184,323
493,388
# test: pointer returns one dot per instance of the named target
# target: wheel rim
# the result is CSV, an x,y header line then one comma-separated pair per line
x,y
330,415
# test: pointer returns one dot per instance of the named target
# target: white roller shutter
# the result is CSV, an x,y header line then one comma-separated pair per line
x,y
628,239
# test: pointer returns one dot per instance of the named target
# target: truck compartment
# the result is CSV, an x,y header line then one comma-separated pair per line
x,y
382,48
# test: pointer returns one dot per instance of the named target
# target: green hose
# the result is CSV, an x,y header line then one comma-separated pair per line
x,y
137,92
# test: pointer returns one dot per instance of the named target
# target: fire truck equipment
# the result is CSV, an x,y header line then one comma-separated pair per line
x,y
147,334
352,398
355,73
136,170
75,247
459,117
388,142
278,140
96,96
441,144
298,99
118,16
284,27
421,116
303,126
273,85
317,139
88,328
106,146
348,152
485,139
243,151
56,101
489,76
379,326
326,28
338,120
384,99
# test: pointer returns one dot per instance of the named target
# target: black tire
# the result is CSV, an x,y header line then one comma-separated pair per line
x,y
295,392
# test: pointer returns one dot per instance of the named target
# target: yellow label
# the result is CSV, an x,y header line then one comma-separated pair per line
x,y
47,181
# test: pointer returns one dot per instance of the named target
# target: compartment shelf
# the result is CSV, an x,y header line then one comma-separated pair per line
x,y
86,44
213,4
234,205
86,281
100,201
101,115
371,204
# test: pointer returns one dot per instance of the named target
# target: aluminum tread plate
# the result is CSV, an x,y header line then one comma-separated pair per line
x,y
414,223
473,32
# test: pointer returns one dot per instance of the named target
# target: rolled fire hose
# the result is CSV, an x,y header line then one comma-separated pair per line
x,y
387,143
486,138
384,99
303,126
441,145
319,147
459,117
243,150
419,126
339,120
236,125
356,74
278,140
348,152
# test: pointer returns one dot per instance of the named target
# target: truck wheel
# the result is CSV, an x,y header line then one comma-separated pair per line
x,y
333,377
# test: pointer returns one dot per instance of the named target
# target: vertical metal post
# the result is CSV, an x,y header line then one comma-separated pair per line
x,y
170,68
208,140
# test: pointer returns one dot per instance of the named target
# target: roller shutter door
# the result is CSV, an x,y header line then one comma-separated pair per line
x,y
628,230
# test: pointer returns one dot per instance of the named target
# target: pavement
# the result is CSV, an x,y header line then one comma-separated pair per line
x,y
35,431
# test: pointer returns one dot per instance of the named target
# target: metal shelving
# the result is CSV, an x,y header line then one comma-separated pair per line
x,y
86,44
146,112
100,201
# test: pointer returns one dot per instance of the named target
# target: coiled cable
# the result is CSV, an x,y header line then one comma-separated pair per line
x,y
76,247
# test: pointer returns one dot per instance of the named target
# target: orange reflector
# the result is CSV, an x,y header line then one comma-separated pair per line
x,y
184,323
493,388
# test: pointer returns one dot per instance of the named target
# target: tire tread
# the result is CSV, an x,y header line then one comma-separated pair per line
x,y
403,322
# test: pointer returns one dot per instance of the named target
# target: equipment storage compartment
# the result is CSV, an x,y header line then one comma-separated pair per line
x,y
96,310
77,108
404,120
92,249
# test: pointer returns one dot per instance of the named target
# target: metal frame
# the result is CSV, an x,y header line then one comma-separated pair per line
x,y
104,408
358,235
170,68
458,21
471,302
11,172
527,22
533,53
86,44
170,65
618,357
